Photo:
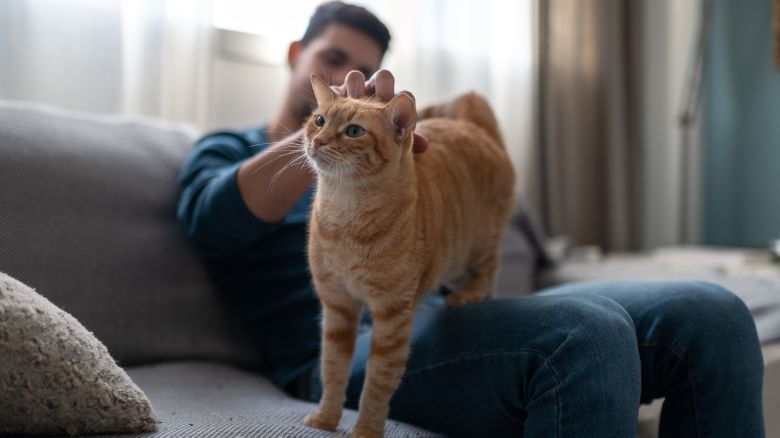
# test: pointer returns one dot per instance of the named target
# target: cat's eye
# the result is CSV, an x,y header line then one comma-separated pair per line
x,y
319,120
354,131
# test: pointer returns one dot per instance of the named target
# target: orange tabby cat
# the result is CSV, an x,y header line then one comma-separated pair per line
x,y
388,225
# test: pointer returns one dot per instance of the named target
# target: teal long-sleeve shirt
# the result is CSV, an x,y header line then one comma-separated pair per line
x,y
260,267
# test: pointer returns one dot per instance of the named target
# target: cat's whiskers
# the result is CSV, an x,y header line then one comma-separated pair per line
x,y
276,176
289,131
306,163
298,149
272,143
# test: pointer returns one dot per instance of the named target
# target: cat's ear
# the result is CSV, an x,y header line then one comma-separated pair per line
x,y
402,112
322,91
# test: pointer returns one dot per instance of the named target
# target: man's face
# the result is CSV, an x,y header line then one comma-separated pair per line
x,y
331,56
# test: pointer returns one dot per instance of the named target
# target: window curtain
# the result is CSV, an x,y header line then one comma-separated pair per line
x,y
588,151
145,57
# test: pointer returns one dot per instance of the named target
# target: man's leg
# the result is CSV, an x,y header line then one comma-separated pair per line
x,y
554,366
699,349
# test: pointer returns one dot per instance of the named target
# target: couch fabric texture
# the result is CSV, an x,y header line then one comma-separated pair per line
x,y
55,377
206,399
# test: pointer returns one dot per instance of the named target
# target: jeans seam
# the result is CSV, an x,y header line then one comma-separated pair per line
x,y
547,363
688,369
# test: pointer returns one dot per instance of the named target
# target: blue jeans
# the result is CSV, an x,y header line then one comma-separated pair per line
x,y
577,360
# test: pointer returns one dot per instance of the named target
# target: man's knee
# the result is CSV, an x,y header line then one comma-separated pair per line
x,y
600,356
598,316
600,330
708,305
712,324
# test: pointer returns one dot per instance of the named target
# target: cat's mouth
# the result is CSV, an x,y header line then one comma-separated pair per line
x,y
329,160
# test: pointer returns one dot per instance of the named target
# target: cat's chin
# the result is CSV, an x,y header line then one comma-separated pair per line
x,y
321,165
326,168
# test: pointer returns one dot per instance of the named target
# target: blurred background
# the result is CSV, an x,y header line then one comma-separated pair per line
x,y
633,124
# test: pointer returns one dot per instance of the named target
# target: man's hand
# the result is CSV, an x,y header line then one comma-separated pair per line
x,y
380,86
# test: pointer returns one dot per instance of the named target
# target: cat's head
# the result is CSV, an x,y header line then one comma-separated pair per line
x,y
358,138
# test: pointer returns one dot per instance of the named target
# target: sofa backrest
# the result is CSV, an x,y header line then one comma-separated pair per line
x,y
88,219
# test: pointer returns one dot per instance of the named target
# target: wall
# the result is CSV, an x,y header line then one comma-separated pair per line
x,y
247,84
742,134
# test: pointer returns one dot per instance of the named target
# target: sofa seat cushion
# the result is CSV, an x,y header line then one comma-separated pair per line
x,y
208,399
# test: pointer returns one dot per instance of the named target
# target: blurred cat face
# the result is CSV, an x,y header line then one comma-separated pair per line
x,y
357,138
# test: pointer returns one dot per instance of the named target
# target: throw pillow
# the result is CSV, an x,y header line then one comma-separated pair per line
x,y
56,377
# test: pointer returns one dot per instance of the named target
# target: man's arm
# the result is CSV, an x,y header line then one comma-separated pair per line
x,y
273,180
212,211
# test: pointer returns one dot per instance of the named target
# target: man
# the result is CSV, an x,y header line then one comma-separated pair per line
x,y
573,361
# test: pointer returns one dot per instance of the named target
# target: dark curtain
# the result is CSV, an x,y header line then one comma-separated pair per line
x,y
587,184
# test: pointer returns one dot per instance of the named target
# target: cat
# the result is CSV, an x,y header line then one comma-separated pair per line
x,y
388,225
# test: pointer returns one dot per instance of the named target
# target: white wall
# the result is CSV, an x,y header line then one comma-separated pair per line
x,y
244,93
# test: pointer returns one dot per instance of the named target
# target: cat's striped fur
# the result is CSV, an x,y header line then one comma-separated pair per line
x,y
388,225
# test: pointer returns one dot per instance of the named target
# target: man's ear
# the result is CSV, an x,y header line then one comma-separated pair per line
x,y
292,54
322,91
402,112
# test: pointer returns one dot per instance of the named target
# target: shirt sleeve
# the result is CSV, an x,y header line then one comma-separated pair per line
x,y
211,212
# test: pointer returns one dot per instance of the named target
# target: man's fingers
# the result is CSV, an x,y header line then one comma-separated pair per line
x,y
355,84
382,83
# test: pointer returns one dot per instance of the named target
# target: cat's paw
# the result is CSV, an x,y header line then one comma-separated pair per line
x,y
315,419
462,297
361,432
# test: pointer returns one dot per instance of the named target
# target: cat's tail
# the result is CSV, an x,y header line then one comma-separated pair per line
x,y
471,107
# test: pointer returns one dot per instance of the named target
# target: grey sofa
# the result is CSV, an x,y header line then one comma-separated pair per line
x,y
87,217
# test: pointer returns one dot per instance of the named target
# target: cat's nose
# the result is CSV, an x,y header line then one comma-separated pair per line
x,y
318,142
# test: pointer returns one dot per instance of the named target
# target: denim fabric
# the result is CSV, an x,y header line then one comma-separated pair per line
x,y
576,361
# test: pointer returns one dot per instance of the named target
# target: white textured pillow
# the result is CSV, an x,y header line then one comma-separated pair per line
x,y
56,377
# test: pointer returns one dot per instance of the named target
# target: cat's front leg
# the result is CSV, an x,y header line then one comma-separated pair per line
x,y
392,331
340,314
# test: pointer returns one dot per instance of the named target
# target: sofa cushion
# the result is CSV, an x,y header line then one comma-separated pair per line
x,y
56,377
212,400
88,216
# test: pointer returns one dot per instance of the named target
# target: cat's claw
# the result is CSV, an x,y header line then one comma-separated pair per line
x,y
315,420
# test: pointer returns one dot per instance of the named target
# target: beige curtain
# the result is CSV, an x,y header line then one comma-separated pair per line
x,y
587,184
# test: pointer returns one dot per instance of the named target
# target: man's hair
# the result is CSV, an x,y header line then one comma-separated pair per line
x,y
359,18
